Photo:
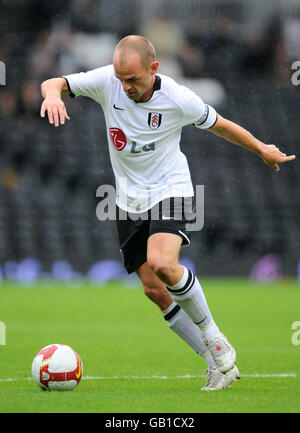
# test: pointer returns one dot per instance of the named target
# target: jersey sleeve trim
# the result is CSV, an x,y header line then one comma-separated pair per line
x,y
208,119
69,88
214,121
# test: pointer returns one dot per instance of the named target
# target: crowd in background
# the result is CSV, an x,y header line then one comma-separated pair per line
x,y
42,39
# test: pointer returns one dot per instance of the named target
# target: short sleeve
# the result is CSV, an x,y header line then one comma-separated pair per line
x,y
196,111
208,118
91,83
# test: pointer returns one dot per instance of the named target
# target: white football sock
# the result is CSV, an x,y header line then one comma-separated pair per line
x,y
185,328
189,295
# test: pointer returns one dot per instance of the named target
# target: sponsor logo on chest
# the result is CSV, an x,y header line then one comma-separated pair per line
x,y
119,141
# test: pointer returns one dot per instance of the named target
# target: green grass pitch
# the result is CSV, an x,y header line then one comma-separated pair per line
x,y
134,363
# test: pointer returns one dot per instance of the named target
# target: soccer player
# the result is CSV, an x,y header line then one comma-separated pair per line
x,y
145,113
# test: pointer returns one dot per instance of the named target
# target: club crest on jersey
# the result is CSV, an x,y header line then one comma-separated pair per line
x,y
154,120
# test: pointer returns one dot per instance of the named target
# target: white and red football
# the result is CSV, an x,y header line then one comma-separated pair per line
x,y
57,367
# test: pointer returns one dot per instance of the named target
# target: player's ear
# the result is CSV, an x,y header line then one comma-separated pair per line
x,y
154,67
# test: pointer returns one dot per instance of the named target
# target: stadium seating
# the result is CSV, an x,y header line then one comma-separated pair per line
x,y
49,178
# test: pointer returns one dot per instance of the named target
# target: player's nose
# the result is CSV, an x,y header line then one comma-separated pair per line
x,y
126,86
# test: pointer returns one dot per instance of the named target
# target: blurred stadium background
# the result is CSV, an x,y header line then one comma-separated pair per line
x,y
237,54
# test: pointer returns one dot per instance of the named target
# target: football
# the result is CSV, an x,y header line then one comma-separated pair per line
x,y
57,367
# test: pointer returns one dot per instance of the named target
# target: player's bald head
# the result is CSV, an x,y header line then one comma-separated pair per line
x,y
135,45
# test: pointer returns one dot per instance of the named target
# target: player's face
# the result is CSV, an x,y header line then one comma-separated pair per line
x,y
136,79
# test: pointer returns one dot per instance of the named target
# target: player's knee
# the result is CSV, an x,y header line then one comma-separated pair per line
x,y
161,266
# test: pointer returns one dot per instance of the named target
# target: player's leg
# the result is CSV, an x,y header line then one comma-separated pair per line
x,y
183,286
186,291
133,240
178,321
154,288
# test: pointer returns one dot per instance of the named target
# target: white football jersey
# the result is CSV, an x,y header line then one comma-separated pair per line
x,y
144,137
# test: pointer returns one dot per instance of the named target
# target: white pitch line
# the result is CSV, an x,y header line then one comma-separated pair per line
x,y
186,376
270,375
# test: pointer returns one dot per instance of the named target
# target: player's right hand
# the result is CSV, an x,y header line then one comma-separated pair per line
x,y
56,110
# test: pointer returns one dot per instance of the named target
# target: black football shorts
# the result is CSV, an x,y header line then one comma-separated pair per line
x,y
168,216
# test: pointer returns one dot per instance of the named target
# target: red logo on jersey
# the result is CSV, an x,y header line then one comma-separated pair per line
x,y
154,120
118,138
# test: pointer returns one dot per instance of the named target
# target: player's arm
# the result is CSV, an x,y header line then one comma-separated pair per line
x,y
234,133
51,91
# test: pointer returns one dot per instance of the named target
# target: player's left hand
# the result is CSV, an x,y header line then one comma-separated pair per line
x,y
272,156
